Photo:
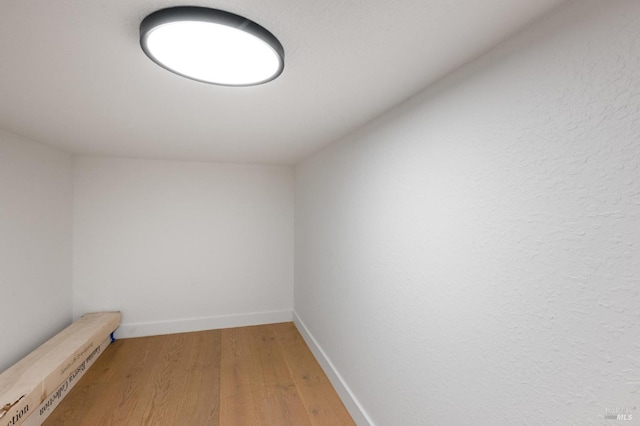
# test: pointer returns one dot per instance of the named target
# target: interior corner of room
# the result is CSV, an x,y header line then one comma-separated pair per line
x,y
469,252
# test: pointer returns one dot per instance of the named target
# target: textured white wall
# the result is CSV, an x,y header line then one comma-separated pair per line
x,y
35,245
473,256
177,245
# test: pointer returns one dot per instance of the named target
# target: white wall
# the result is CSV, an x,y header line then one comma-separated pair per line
x,y
35,245
473,256
182,246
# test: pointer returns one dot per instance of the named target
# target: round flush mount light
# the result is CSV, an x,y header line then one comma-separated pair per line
x,y
211,46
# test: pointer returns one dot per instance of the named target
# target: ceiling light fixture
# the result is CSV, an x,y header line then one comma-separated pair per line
x,y
211,46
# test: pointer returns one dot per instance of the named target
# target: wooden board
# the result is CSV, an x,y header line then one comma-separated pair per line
x,y
322,403
256,387
31,381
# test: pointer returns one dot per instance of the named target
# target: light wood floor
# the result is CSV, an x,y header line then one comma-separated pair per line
x,y
262,375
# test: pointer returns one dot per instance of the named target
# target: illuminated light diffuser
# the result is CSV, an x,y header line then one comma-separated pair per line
x,y
211,46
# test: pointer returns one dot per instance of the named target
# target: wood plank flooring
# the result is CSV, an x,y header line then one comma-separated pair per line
x,y
261,375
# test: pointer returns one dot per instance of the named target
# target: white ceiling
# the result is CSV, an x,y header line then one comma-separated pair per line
x,y
72,74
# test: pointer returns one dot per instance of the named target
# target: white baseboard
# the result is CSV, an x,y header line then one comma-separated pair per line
x,y
155,328
358,413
